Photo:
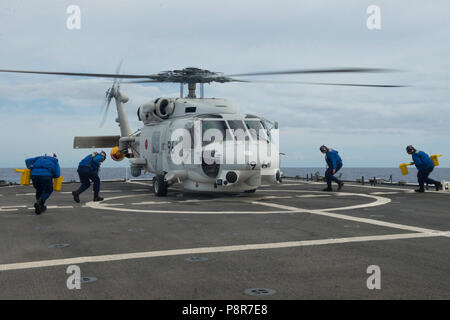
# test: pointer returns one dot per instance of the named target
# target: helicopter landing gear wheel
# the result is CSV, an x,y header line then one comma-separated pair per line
x,y
160,186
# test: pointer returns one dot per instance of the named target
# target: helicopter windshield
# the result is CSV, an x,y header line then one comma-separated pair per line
x,y
238,129
257,129
208,125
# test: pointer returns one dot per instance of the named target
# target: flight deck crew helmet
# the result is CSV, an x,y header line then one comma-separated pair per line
x,y
323,149
51,154
410,148
103,153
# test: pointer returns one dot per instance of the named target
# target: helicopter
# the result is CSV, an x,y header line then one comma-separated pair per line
x,y
204,144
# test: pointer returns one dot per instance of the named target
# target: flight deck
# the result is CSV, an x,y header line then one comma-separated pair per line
x,y
285,241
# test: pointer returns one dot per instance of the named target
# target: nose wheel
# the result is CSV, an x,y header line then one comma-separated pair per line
x,y
160,186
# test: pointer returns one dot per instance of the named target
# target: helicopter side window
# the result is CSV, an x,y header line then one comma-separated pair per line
x,y
156,141
238,129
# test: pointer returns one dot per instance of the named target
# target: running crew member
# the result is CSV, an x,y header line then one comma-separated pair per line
x,y
88,171
43,170
425,166
334,163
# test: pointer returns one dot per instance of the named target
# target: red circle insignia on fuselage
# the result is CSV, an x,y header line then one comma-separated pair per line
x,y
146,144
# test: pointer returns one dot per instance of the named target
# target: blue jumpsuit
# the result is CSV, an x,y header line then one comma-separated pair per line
x,y
43,170
424,166
334,162
88,170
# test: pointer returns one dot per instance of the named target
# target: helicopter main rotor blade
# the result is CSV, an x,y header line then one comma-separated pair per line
x,y
324,83
144,81
312,71
81,74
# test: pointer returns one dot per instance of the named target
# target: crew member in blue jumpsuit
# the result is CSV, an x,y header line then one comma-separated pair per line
x,y
425,166
43,170
88,171
334,163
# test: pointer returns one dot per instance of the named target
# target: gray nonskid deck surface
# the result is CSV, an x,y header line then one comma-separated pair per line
x,y
293,238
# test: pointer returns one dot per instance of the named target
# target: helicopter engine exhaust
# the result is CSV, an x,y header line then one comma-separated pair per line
x,y
116,155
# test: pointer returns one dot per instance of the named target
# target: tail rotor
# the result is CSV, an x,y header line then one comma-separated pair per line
x,y
110,94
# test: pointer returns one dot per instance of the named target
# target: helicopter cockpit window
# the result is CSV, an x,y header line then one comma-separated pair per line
x,y
257,130
238,129
213,124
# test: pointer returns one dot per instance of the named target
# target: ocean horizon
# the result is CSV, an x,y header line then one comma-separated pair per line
x,y
349,174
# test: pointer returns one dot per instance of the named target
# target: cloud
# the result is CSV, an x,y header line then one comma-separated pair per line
x,y
235,36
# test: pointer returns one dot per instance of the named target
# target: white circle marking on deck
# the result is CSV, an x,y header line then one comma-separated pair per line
x,y
108,206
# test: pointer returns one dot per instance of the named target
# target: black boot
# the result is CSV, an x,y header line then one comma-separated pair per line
x,y
97,198
341,184
419,190
438,186
76,196
39,206
327,189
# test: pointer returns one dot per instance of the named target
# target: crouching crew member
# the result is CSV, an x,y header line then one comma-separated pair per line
x,y
43,170
88,170
334,163
425,166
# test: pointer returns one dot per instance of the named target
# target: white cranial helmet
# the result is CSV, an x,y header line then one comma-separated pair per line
x,y
51,154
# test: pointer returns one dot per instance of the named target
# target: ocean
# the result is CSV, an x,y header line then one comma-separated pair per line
x,y
351,174
348,174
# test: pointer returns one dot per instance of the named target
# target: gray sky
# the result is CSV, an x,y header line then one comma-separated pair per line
x,y
369,126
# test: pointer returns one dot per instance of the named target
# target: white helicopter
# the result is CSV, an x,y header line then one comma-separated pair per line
x,y
202,143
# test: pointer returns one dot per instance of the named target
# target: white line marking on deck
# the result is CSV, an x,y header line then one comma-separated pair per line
x,y
379,200
141,183
101,205
279,206
323,212
103,191
384,193
277,197
205,250
383,188
149,202
56,207
11,207
313,196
